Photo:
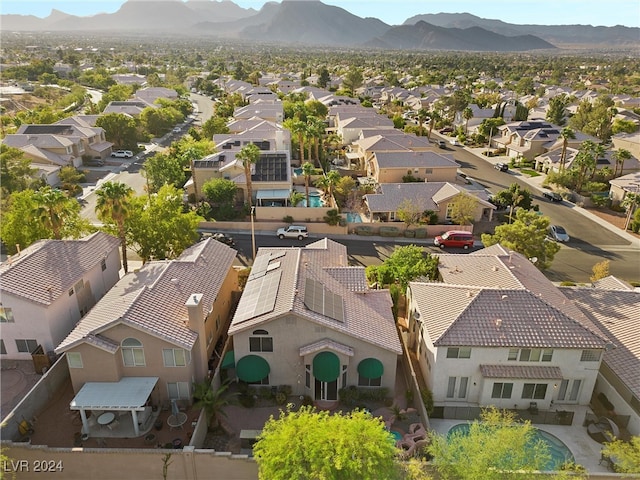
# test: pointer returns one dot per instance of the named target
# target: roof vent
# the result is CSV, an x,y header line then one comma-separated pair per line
x,y
498,322
494,268
175,281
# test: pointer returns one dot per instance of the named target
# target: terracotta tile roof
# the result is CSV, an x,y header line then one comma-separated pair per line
x,y
367,314
617,313
47,269
152,299
531,372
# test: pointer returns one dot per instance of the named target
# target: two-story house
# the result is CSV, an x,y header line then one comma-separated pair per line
x,y
391,167
495,331
49,286
158,325
308,320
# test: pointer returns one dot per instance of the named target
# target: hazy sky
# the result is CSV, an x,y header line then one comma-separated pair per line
x,y
395,12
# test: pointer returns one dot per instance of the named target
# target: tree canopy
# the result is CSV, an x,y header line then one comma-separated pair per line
x,y
311,445
627,454
526,235
463,208
404,265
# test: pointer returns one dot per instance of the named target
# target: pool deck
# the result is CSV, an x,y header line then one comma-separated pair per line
x,y
585,450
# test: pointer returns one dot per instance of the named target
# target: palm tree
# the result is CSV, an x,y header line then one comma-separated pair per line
x,y
422,116
328,183
213,402
435,117
620,156
566,134
307,171
299,128
315,130
249,156
52,206
467,114
112,204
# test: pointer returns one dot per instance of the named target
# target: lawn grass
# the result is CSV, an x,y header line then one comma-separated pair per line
x,y
531,173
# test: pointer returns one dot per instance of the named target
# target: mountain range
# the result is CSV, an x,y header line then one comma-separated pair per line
x,y
311,22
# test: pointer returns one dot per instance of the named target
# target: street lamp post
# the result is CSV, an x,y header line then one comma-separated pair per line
x,y
253,234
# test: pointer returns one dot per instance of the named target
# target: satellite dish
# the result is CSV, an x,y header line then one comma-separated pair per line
x,y
533,259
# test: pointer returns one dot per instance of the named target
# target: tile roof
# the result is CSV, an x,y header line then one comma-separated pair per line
x,y
532,372
413,160
617,313
612,283
153,298
47,269
487,317
367,313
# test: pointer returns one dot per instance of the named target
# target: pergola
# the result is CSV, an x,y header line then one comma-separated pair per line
x,y
128,394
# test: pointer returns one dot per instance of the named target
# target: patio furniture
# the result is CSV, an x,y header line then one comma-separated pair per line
x,y
106,418
604,430
113,425
177,420
533,408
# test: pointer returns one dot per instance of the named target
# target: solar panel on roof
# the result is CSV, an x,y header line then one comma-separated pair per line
x,y
273,266
259,296
319,299
259,267
279,254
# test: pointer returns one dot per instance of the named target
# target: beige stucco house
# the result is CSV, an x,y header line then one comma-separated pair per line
x,y
160,324
391,167
41,301
309,321
434,196
495,331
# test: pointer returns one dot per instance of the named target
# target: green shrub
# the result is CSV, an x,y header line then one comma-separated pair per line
x,y
349,395
427,399
389,231
364,231
567,283
420,232
410,233
288,219
247,400
332,217
286,389
281,398
596,187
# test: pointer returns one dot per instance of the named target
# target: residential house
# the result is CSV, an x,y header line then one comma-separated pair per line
x,y
434,196
129,79
628,141
495,331
49,146
362,150
270,111
621,186
150,95
528,139
49,286
350,128
391,167
613,305
132,108
308,320
159,325
550,160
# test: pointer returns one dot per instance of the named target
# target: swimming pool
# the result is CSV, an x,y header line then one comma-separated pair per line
x,y
353,217
559,452
314,201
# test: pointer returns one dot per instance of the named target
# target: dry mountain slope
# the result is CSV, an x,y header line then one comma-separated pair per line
x,y
424,36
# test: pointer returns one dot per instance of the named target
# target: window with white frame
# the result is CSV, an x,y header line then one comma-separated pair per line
x,y
457,387
307,375
132,352
6,315
590,355
531,354
260,342
178,390
175,357
536,391
74,359
26,345
502,390
459,352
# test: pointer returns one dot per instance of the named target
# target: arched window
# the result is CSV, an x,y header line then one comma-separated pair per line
x,y
261,343
132,352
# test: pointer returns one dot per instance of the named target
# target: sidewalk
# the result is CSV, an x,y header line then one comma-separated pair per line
x,y
536,183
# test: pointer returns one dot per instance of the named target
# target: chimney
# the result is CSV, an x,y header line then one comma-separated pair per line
x,y
196,324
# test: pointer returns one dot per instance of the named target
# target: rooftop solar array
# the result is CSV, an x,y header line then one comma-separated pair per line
x,y
319,299
259,296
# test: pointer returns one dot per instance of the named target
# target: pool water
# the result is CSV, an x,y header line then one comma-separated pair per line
x,y
353,217
558,451
396,435
314,201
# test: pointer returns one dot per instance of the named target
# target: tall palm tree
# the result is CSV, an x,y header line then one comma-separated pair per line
x,y
467,114
52,209
316,129
299,128
566,134
422,116
307,171
328,182
249,156
620,156
112,205
435,117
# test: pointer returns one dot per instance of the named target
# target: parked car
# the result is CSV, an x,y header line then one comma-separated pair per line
x,y
442,144
122,154
455,239
503,167
558,233
177,130
219,236
293,231
445,130
455,142
94,162
553,196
